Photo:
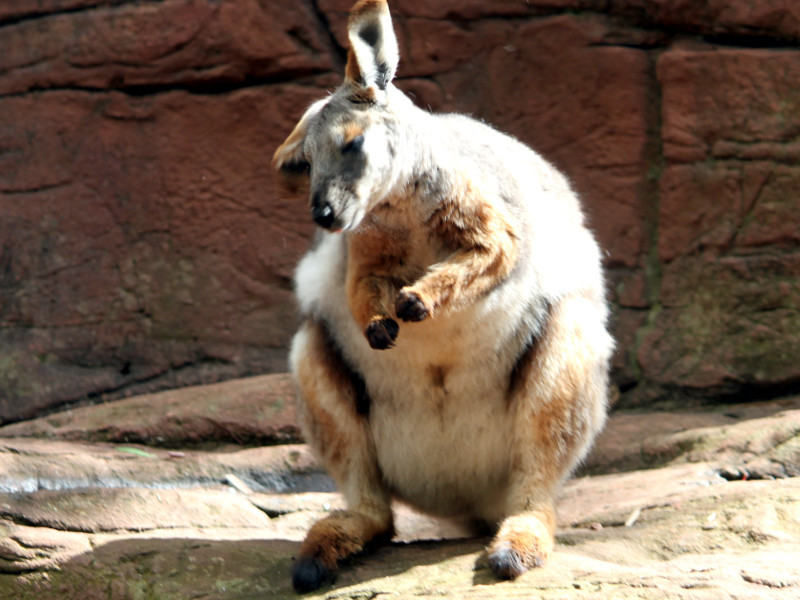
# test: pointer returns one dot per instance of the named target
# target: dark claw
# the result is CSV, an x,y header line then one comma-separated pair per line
x,y
410,307
506,564
308,574
382,334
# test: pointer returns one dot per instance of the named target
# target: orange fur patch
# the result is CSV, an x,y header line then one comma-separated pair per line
x,y
331,396
485,250
554,395
484,247
352,131
352,72
340,436
374,270
290,162
341,534
364,7
291,149
364,95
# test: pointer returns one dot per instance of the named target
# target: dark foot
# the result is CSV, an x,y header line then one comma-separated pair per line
x,y
409,307
308,574
507,563
382,334
524,542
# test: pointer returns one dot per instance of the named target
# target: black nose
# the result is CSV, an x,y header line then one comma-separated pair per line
x,y
323,215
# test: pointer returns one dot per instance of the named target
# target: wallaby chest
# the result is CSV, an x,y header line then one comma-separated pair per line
x,y
397,244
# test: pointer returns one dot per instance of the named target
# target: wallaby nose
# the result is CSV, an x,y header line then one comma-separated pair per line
x,y
322,214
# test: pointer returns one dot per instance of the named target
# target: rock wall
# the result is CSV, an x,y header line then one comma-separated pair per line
x,y
144,244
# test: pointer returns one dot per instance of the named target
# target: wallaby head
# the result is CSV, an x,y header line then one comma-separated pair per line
x,y
345,145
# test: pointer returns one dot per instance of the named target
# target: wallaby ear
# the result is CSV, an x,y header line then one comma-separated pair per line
x,y
373,55
290,159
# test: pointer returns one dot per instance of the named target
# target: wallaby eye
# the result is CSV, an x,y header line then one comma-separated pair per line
x,y
353,145
297,167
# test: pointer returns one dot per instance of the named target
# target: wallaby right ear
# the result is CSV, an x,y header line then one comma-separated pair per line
x,y
373,55
290,158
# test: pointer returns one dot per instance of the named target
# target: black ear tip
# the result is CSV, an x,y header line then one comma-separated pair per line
x,y
308,574
370,33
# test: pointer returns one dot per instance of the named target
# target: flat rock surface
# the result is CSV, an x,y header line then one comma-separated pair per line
x,y
696,504
255,410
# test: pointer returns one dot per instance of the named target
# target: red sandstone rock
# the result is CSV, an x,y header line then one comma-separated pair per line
x,y
253,410
729,224
726,322
728,206
98,510
449,9
129,45
730,104
142,234
779,19
27,9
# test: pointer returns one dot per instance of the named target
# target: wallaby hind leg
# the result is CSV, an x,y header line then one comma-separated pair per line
x,y
559,395
332,410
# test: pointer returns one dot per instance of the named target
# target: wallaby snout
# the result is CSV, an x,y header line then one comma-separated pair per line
x,y
322,211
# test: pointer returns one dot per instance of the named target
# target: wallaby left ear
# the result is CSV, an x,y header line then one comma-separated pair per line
x,y
290,159
373,55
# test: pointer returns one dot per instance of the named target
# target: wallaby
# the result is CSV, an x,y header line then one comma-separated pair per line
x,y
453,352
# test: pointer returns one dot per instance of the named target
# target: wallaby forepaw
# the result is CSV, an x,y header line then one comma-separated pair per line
x,y
309,573
410,307
382,333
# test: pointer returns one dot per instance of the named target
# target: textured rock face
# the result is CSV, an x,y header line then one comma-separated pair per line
x,y
144,244
729,224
